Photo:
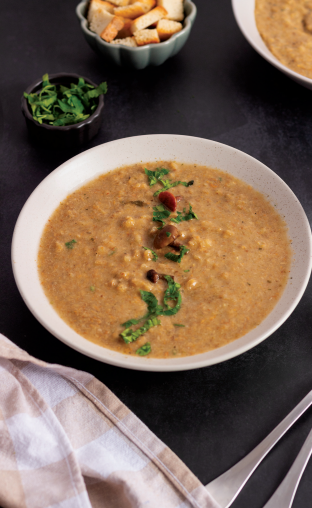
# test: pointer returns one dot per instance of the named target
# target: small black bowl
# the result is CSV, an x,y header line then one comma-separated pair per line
x,y
69,135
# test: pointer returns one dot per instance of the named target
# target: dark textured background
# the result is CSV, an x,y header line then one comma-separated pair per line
x,y
217,87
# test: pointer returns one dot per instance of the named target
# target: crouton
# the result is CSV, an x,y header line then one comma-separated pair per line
x,y
112,29
147,19
120,2
100,20
174,8
143,37
101,5
125,31
127,41
135,10
166,28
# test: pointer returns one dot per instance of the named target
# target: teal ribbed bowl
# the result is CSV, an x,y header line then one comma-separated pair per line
x,y
141,57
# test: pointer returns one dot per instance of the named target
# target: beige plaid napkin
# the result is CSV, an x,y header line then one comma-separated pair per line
x,y
66,441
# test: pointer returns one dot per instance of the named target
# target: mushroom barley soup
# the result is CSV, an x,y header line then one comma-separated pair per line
x,y
164,259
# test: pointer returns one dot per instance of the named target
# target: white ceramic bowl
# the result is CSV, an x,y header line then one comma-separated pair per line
x,y
88,165
244,12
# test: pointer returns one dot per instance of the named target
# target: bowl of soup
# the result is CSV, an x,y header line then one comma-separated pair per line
x,y
162,252
281,32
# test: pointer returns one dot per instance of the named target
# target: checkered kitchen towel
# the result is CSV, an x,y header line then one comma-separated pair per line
x,y
66,441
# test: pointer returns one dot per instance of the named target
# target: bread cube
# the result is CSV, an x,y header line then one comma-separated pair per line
x,y
101,5
143,37
99,21
135,10
127,41
148,19
112,29
166,28
174,8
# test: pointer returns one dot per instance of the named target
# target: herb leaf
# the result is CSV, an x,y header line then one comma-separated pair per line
x,y
177,257
154,176
155,256
172,293
177,324
70,245
144,350
130,335
160,213
189,216
168,184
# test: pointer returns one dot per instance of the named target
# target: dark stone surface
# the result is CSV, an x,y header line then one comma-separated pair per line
x,y
217,87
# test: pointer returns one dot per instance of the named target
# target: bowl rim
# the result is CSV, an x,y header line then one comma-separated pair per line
x,y
30,213
239,10
63,128
188,20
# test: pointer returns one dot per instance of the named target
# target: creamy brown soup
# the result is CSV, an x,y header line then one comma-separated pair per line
x,y
286,28
93,266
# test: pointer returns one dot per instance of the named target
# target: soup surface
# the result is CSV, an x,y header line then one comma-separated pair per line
x,y
98,246
286,28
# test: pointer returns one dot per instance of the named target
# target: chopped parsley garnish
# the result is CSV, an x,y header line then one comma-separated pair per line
x,y
185,271
70,245
144,350
177,257
155,176
168,234
189,216
172,294
113,252
92,288
177,324
155,256
59,105
130,335
160,213
168,184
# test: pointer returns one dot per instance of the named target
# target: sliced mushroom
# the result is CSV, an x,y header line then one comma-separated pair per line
x,y
165,236
154,277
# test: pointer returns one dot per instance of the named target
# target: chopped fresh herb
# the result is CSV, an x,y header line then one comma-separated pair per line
x,y
160,213
130,335
172,294
113,252
168,234
177,257
155,176
152,303
92,288
70,245
185,271
220,179
168,184
155,257
144,350
59,105
177,324
189,216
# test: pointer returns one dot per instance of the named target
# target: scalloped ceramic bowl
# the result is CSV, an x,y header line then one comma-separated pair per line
x,y
139,58
103,158
244,12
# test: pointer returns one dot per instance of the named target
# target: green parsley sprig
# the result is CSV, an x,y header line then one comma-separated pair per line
x,y
155,256
177,257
